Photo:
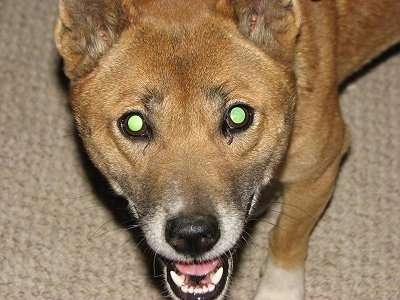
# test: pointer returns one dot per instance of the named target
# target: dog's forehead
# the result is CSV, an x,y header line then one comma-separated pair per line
x,y
176,12
183,35
193,57
150,60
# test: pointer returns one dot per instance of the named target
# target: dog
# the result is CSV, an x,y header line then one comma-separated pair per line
x,y
190,108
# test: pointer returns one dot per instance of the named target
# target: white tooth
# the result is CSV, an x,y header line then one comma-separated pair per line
x,y
211,287
184,288
191,290
198,290
205,289
179,280
216,277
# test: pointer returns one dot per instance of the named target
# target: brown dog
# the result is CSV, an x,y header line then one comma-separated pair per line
x,y
190,107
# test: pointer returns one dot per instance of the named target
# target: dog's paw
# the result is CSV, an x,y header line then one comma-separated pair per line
x,y
280,284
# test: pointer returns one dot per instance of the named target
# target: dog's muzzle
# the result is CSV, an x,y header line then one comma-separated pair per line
x,y
193,236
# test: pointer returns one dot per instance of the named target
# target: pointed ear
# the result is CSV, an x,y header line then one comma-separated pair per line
x,y
273,24
86,29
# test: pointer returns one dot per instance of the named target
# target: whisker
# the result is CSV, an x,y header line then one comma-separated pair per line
x,y
141,242
257,247
81,196
284,214
113,230
293,206
133,226
91,237
67,135
123,244
250,238
267,222
257,252
244,239
113,255
94,207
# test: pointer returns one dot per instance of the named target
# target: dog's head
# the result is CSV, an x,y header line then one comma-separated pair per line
x,y
186,108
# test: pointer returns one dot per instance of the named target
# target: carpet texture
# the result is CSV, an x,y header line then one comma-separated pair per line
x,y
58,240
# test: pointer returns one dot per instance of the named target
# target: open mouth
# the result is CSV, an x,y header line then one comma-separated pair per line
x,y
198,280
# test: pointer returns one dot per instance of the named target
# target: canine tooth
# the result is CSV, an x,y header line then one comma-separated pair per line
x,y
179,280
211,287
191,290
184,288
216,277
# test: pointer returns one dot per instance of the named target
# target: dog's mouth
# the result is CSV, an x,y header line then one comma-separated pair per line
x,y
198,280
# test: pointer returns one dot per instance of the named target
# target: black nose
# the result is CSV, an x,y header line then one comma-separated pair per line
x,y
192,234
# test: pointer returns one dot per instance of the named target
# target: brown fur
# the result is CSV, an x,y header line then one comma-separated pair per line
x,y
179,60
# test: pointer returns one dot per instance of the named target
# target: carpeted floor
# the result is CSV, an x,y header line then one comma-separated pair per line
x,y
59,241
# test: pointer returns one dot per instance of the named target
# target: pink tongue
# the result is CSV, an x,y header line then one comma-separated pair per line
x,y
200,269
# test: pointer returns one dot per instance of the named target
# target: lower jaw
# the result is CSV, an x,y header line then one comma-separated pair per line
x,y
207,289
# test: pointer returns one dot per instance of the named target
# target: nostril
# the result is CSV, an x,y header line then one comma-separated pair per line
x,y
192,234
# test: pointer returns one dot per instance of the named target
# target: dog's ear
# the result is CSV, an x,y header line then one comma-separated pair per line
x,y
86,29
273,24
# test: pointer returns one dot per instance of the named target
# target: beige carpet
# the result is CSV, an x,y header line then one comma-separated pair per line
x,y
59,241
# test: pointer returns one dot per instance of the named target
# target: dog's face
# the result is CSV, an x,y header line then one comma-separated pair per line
x,y
187,121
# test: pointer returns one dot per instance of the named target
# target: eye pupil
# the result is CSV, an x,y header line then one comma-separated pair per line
x,y
237,115
135,123
238,118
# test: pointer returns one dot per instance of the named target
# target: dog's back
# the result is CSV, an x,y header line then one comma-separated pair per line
x,y
365,29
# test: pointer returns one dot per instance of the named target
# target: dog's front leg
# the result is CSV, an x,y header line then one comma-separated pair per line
x,y
303,203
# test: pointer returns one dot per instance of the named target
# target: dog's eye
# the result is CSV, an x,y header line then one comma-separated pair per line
x,y
134,125
238,117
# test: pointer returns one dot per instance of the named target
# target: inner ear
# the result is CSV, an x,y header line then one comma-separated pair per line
x,y
273,24
85,30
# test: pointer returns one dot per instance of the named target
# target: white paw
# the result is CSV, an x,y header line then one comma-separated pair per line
x,y
280,284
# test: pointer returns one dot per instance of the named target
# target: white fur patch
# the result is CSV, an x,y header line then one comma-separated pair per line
x,y
230,223
281,284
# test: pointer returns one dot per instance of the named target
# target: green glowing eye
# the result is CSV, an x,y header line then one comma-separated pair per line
x,y
237,115
135,123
